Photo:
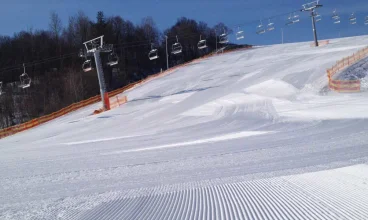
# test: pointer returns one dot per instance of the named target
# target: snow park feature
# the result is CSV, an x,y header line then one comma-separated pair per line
x,y
250,134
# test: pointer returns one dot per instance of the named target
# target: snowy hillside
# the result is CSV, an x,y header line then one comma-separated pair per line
x,y
252,134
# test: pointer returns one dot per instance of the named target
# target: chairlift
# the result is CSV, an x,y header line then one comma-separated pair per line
x,y
153,54
223,39
113,59
87,66
270,26
239,34
25,81
202,43
1,88
260,29
296,18
289,20
335,16
81,53
292,19
317,17
366,20
176,47
353,19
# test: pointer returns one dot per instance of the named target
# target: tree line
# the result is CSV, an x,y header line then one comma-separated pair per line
x,y
52,60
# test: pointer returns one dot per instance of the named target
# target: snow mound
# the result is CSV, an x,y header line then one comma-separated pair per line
x,y
273,88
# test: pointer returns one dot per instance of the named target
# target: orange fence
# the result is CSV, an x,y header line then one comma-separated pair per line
x,y
345,85
114,101
35,122
320,43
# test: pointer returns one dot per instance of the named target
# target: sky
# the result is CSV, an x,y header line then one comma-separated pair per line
x,y
18,15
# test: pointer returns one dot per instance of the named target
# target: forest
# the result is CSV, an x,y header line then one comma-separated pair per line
x,y
52,62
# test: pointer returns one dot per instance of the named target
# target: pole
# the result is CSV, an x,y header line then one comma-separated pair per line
x,y
314,29
216,41
282,36
167,56
101,80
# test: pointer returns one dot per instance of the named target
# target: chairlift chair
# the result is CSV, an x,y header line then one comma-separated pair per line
x,y
153,54
87,66
292,19
81,53
353,19
270,26
223,39
289,20
113,59
239,34
260,29
202,43
366,20
296,18
176,47
25,81
317,17
335,16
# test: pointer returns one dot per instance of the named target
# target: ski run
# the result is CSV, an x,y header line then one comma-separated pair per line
x,y
251,134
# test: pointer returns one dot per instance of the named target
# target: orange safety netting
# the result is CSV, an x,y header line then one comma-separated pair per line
x,y
345,85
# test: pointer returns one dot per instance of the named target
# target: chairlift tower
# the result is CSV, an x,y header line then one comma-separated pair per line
x,y
311,7
95,47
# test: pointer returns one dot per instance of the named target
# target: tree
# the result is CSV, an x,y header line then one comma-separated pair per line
x,y
100,26
55,25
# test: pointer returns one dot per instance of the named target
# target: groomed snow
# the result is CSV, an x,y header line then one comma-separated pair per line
x,y
251,134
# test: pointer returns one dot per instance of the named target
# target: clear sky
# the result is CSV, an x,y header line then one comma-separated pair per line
x,y
17,15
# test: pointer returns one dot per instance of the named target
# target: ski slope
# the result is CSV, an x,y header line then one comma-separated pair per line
x,y
252,134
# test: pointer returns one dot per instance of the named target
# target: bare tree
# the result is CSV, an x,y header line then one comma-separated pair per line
x,y
55,25
150,29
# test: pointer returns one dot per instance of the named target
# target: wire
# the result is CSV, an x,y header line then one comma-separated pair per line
x,y
50,59
131,44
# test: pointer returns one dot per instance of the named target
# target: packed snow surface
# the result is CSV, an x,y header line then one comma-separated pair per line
x,y
252,134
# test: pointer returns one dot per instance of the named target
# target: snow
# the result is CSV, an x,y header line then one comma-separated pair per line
x,y
356,71
273,88
250,134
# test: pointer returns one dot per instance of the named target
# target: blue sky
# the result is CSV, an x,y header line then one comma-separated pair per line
x,y
17,15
